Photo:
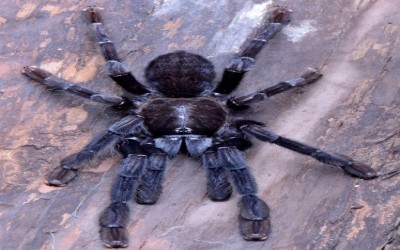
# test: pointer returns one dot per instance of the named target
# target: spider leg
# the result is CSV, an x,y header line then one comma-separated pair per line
x,y
116,69
218,186
254,220
55,83
150,185
351,167
114,219
238,67
141,171
69,166
242,102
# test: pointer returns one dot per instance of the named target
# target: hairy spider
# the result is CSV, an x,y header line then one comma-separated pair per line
x,y
182,110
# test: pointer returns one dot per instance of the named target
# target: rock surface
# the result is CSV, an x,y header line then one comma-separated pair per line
x,y
354,109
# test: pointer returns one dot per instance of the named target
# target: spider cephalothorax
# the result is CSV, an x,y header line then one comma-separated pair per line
x,y
199,116
182,110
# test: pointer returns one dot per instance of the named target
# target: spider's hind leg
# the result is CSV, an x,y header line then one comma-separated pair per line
x,y
238,66
116,69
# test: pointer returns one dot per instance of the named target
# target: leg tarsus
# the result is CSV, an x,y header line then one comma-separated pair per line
x,y
114,237
254,230
361,170
93,14
36,73
280,15
311,75
60,176
113,222
254,220
351,167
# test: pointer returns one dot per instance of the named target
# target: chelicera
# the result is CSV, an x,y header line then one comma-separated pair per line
x,y
182,109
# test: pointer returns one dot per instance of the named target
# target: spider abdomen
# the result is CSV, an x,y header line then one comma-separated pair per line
x,y
181,74
178,116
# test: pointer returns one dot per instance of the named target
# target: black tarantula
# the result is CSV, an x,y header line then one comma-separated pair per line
x,y
183,111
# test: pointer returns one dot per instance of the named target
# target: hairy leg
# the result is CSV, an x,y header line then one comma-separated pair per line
x,y
116,69
218,186
254,220
55,83
351,167
150,181
238,67
242,102
115,217
69,166
150,185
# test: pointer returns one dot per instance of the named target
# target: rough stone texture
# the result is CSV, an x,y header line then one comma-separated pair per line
x,y
354,109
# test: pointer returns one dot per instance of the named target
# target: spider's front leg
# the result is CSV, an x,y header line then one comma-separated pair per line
x,y
351,167
254,223
150,185
141,171
67,171
115,217
218,186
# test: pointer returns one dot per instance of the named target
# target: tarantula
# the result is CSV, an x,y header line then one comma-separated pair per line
x,y
182,110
